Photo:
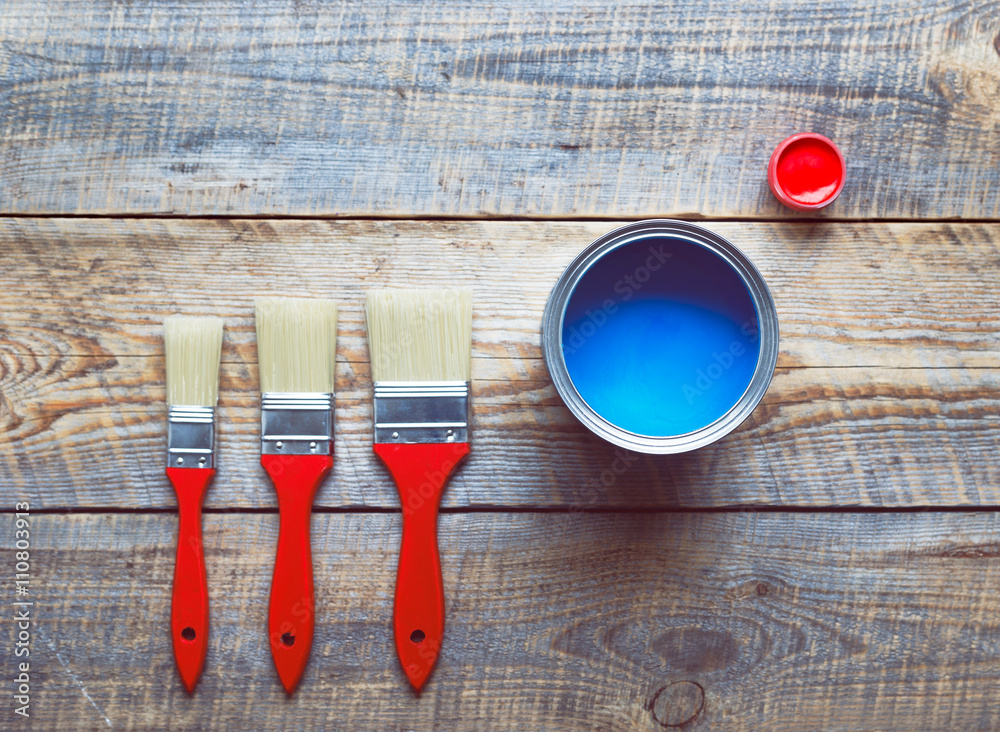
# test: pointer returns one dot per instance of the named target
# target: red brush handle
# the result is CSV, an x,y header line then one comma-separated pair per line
x,y
189,608
420,472
291,617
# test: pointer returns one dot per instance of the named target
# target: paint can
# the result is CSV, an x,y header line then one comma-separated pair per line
x,y
661,336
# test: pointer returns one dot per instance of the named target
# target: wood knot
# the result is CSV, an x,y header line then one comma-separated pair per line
x,y
996,43
677,704
761,589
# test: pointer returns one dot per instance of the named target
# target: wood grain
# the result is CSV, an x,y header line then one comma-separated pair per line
x,y
739,621
886,392
561,109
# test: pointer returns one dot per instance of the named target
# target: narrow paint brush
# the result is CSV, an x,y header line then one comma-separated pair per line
x,y
421,344
296,346
193,350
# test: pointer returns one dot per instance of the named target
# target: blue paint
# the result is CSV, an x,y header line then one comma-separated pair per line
x,y
660,337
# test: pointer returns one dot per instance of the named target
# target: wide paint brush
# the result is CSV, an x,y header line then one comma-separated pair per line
x,y
420,343
296,344
193,348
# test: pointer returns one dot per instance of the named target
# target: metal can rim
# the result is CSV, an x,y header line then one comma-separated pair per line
x,y
760,295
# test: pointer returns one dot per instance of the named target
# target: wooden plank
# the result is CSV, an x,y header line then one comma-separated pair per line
x,y
561,109
875,437
887,375
857,295
761,621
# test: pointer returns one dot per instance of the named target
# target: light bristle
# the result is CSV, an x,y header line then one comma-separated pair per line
x,y
194,349
420,335
296,344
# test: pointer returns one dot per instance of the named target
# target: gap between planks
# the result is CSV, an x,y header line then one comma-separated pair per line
x,y
606,510
458,218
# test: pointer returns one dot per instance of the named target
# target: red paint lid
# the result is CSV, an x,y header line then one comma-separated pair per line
x,y
806,171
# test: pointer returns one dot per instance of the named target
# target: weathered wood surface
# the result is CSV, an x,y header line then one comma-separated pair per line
x,y
761,621
556,109
886,392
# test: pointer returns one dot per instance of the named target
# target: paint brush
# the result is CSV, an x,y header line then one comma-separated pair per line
x,y
193,349
296,346
421,344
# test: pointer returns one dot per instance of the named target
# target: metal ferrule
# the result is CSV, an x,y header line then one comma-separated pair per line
x,y
296,423
190,437
421,411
